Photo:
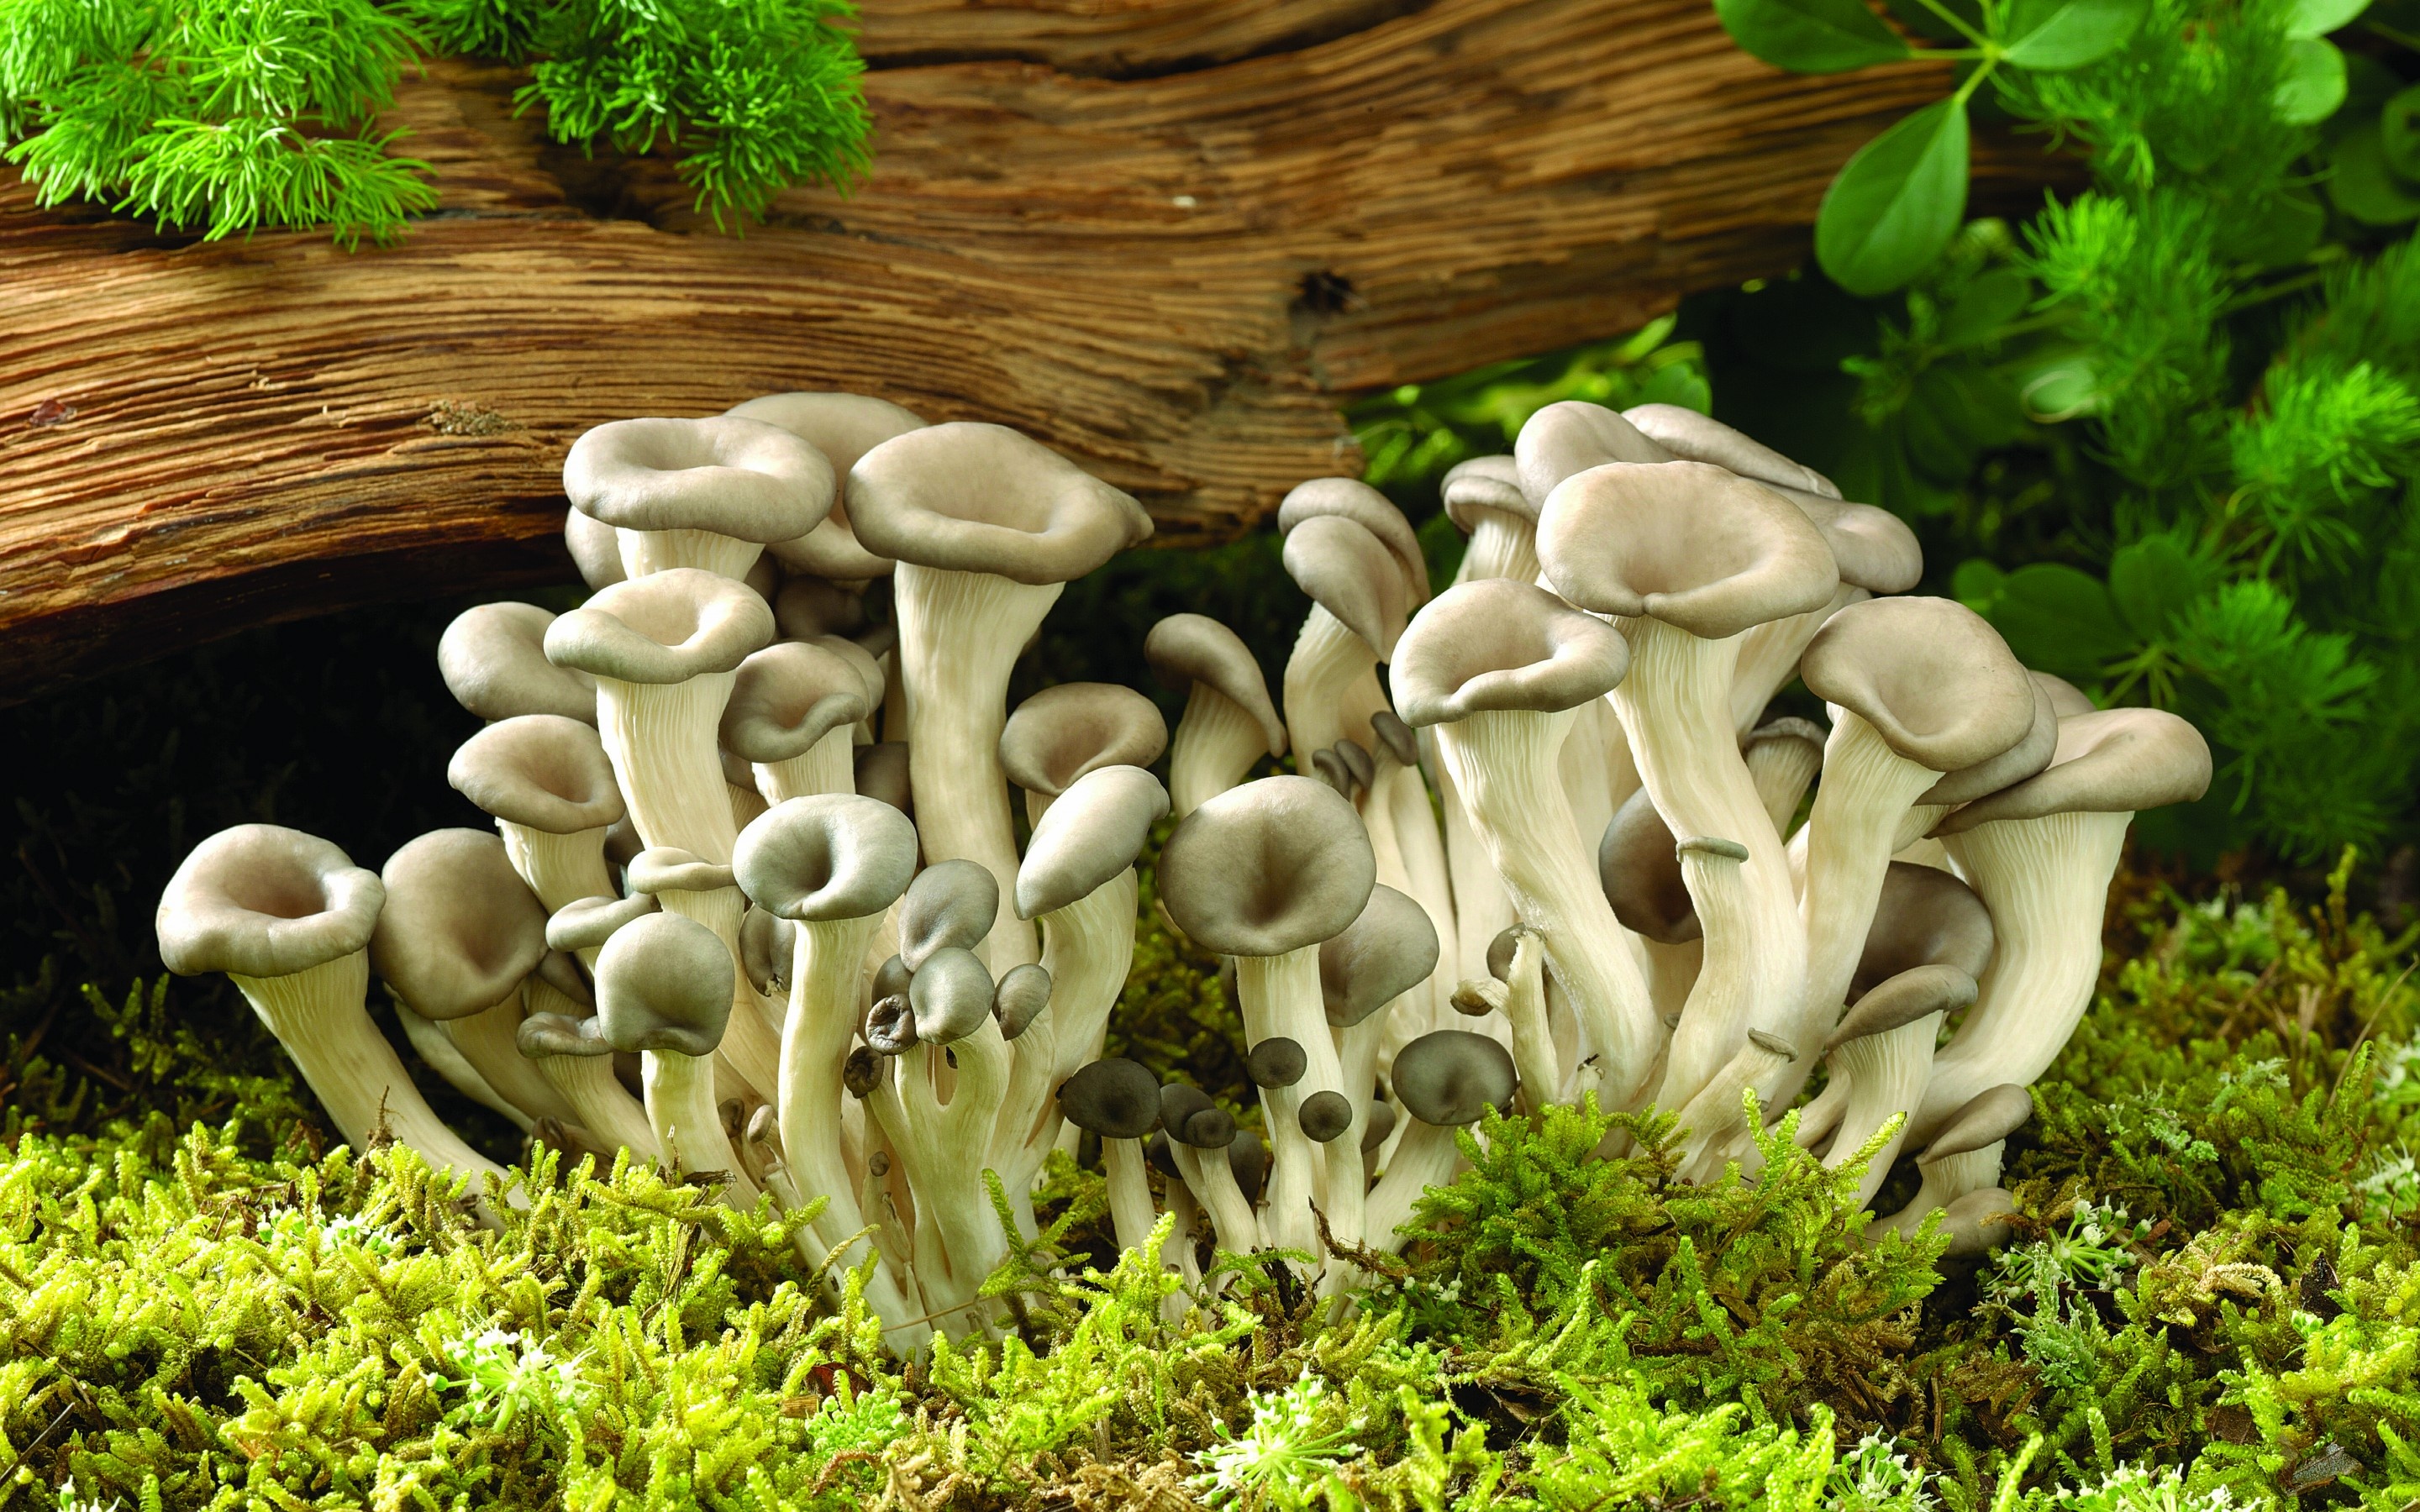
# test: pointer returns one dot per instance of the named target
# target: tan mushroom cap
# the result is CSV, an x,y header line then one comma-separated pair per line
x,y
1571,437
586,923
835,855
1350,572
664,982
844,427
1183,649
2111,761
789,696
1900,1000
1873,548
1695,438
807,607
1923,916
1495,643
1063,733
1391,949
1485,483
1093,832
740,478
1451,1076
665,627
1987,1118
2014,765
596,549
541,771
263,901
1929,674
975,498
1639,868
461,929
559,1034
494,659
661,869
1267,868
1692,545
1351,499
2065,697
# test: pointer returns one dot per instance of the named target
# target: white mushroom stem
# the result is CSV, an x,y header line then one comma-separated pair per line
x,y
1087,947
1482,908
1587,769
317,1016
1176,1252
1715,1122
688,1125
1131,1212
559,868
1885,1075
1216,742
1534,1056
613,1114
751,1046
488,1040
1715,1015
828,765
941,1145
647,551
1671,972
1328,659
1278,996
1356,1055
1505,764
1501,544
1406,799
661,738
1428,1155
1944,1180
2046,881
1822,1116
435,1046
1769,655
959,636
1211,1178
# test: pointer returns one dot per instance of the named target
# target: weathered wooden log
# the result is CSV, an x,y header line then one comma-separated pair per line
x,y
1164,236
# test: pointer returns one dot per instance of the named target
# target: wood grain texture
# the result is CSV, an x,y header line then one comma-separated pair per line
x,y
1096,219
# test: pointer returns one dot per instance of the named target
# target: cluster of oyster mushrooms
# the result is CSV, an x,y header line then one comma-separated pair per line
x,y
756,907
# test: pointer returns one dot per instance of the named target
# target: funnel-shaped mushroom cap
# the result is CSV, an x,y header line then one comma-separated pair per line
x,y
832,857
806,608
1485,483
1063,733
2066,699
891,1025
949,905
950,995
1187,648
665,627
844,427
1351,499
1093,832
740,478
1267,868
1277,1061
1349,572
1929,674
586,923
1324,1115
594,549
1695,438
1787,727
670,869
1923,916
1640,870
2112,760
862,1072
461,929
1987,1118
2013,766
766,943
1116,1098
1902,999
1495,643
1872,547
541,1035
1451,1076
1573,436
1693,544
663,982
539,770
259,901
787,697
882,773
974,498
1020,998
493,661
1389,950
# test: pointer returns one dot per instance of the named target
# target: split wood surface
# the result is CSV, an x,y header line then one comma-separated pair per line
x,y
1165,237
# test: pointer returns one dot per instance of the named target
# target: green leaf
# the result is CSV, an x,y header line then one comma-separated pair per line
x,y
1996,297
2362,187
2068,33
2314,85
1810,36
1897,203
2154,580
2060,621
2306,19
1978,583
2399,134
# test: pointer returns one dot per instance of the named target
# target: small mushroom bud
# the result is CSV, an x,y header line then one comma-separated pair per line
x,y
1380,1123
1448,1077
1276,1062
1499,951
1395,737
1020,999
859,1073
891,978
949,996
891,1026
1178,1103
1114,1098
1475,997
1210,1129
950,905
1324,1115
766,943
1248,1158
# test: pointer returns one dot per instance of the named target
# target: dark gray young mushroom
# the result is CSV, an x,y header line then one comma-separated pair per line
x,y
1229,722
1200,1137
697,493
1446,1080
1119,1101
1387,953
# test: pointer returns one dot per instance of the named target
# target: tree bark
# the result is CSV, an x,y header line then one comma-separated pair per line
x,y
1163,236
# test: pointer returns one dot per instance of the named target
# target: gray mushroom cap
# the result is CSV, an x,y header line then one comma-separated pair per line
x,y
862,661
262,901
665,627
950,903
1788,727
1872,549
586,923
1695,438
1929,674
1209,1129
494,659
1183,649
1391,949
543,771
740,478
2065,697
1451,1076
2013,766
1377,1126
1020,998
1093,832
1500,950
1248,1159
2111,761
670,869
862,1072
1639,865
596,549
1923,916
1267,868
1485,483
1988,1118
844,427
951,995
1179,1103
664,983
1062,732
1351,499
975,498
1902,999
806,608
1115,1098
789,696
891,1025
461,929
768,942
882,773
560,970
828,858
1571,437
1395,737
1348,571
1275,1061
559,1034
891,977
1495,643
1324,1115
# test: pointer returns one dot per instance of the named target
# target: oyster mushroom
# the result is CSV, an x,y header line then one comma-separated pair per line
x,y
1960,1169
1483,498
1358,600
1445,1080
545,781
1691,437
494,659
1062,732
844,427
1383,954
687,884
1228,722
704,494
663,992
1119,1101
793,715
